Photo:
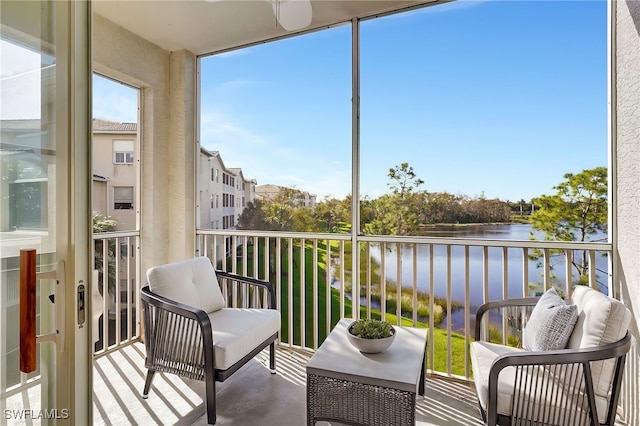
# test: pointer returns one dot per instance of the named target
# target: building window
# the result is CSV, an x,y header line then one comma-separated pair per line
x,y
217,200
212,174
122,151
123,197
217,177
212,201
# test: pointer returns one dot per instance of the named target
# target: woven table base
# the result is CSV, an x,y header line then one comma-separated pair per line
x,y
354,403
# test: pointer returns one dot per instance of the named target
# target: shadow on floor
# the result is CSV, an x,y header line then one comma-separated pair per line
x,y
252,396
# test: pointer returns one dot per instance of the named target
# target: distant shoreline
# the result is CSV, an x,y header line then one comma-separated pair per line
x,y
458,225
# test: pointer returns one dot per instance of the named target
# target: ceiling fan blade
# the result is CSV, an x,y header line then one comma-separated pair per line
x,y
292,14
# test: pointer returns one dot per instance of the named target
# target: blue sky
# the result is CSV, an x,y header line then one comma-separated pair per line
x,y
499,98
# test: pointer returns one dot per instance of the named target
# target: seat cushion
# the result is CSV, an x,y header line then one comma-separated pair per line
x,y
236,332
191,282
550,324
483,354
601,320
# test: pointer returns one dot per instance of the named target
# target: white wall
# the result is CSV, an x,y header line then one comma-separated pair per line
x,y
627,188
167,83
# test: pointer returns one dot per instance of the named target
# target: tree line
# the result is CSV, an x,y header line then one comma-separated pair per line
x,y
575,211
404,210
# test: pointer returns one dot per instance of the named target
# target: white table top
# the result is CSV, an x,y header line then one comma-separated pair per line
x,y
398,367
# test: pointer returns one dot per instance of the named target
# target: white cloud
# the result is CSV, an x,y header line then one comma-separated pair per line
x,y
218,128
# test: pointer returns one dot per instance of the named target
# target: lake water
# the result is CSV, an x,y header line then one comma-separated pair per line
x,y
476,264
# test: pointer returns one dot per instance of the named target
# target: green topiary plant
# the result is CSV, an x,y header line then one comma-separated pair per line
x,y
371,329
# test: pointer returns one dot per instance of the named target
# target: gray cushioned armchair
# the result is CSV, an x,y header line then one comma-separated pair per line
x,y
578,385
195,330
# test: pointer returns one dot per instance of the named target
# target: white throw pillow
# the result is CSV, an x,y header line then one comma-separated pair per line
x,y
192,282
550,325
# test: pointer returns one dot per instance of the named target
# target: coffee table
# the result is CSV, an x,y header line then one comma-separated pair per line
x,y
344,385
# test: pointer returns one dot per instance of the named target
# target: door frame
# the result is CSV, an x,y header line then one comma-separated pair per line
x,y
74,366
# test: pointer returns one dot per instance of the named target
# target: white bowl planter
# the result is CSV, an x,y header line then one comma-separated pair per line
x,y
370,346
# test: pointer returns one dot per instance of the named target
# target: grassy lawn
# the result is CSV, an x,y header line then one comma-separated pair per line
x,y
439,339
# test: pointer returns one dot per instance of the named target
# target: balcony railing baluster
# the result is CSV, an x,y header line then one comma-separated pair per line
x,y
117,257
467,313
547,269
592,270
399,249
383,280
451,266
117,291
568,259
414,293
303,299
449,311
368,273
327,286
432,307
505,292
316,322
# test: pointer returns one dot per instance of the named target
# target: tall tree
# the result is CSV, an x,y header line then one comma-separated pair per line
x,y
403,185
252,216
332,214
576,212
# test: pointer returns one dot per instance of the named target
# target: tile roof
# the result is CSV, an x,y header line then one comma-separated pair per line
x,y
99,125
26,124
108,126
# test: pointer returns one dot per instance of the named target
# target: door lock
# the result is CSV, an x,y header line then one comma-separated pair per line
x,y
81,309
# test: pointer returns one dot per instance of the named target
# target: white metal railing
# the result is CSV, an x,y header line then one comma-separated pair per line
x,y
116,317
397,277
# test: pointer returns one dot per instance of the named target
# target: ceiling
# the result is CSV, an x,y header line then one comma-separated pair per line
x,y
202,26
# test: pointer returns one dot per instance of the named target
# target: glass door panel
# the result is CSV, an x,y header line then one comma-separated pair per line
x,y
27,202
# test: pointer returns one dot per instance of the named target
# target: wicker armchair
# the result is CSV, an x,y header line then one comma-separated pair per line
x,y
189,330
579,385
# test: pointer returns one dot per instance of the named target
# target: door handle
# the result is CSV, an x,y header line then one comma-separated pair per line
x,y
27,310
28,281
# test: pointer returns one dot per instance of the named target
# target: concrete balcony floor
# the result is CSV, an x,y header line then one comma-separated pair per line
x,y
252,396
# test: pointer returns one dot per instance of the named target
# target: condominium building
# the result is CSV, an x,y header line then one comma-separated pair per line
x,y
270,191
223,192
116,172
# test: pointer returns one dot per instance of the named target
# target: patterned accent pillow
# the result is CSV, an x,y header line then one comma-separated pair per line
x,y
550,325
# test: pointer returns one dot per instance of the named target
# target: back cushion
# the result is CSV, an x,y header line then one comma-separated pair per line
x,y
192,282
601,320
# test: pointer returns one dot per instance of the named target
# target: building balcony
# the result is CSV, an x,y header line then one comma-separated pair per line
x,y
403,271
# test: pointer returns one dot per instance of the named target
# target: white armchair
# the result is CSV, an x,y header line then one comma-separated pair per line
x,y
193,331
578,384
